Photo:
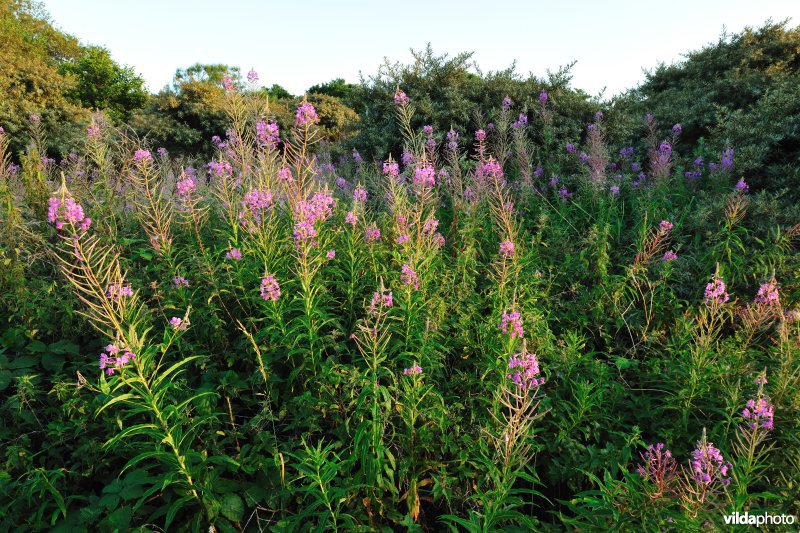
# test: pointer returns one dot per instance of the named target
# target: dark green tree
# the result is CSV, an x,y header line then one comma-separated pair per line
x,y
100,83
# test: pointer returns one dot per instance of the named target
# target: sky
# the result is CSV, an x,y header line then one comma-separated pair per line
x,y
299,44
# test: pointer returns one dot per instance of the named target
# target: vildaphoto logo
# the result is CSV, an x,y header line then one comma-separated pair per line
x,y
765,519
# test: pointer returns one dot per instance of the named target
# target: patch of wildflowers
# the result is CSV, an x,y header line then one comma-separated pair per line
x,y
372,234
67,212
409,277
707,465
507,249
767,293
142,156
400,98
391,168
178,324
270,289
524,370
360,194
424,176
305,115
414,370
715,292
742,186
116,291
111,360
511,324
380,300
759,413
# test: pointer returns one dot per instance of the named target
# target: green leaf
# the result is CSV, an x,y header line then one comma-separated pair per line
x,y
53,362
232,507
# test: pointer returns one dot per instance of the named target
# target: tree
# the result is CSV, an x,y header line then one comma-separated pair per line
x,y
31,54
103,84
211,73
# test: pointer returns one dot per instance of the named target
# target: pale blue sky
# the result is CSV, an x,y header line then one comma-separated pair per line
x,y
298,44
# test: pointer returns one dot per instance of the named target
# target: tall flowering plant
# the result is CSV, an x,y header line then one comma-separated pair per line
x,y
137,378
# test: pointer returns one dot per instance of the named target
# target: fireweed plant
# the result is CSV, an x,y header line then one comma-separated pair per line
x,y
485,331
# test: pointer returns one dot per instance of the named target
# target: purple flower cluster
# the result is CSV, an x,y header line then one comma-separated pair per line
x,y
179,281
178,324
742,186
318,209
117,291
330,255
391,168
424,176
185,188
452,140
414,370
708,465
511,324
379,301
142,156
626,152
111,360
669,256
372,234
409,277
400,98
506,105
655,456
227,83
697,171
665,226
268,134
252,76
760,413
492,170
234,254
220,169
67,212
727,159
564,194
767,293
543,97
305,115
507,249
350,218
521,121
270,289
305,232
430,226
524,369
659,467
715,292
360,194
570,148
677,129
257,202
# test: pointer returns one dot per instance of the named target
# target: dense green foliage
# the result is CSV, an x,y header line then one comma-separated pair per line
x,y
230,308
292,345
742,91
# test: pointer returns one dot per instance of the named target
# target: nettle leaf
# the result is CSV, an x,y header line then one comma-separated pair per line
x,y
232,507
